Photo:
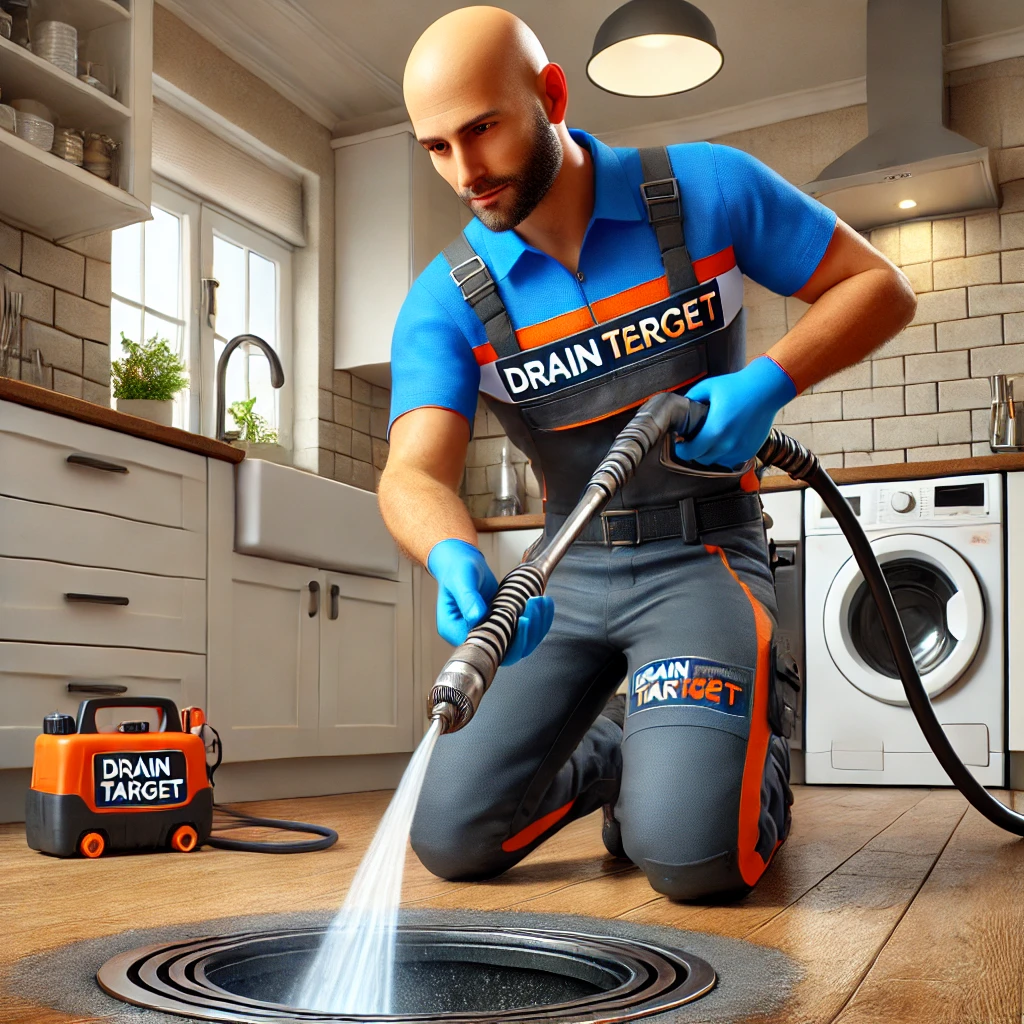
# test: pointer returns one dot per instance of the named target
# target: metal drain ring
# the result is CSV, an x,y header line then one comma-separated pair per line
x,y
644,979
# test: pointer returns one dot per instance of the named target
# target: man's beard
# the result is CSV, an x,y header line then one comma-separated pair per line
x,y
529,186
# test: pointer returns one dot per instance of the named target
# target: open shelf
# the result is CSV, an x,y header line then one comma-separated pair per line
x,y
85,15
56,199
23,75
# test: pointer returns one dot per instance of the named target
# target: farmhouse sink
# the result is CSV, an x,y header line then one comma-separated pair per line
x,y
292,516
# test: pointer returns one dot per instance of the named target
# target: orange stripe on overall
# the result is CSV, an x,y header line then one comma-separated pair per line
x,y
751,863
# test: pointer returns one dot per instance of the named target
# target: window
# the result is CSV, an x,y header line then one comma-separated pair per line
x,y
150,286
161,277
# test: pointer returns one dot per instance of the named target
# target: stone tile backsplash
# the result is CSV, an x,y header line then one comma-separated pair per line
x,y
65,310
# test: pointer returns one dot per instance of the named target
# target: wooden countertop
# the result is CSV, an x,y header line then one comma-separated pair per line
x,y
100,416
1009,462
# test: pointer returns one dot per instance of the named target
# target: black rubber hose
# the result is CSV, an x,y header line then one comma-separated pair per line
x,y
782,451
329,836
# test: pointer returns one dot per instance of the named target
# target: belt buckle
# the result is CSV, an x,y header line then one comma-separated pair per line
x,y
618,514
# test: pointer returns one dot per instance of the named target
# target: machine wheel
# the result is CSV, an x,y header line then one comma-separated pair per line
x,y
184,839
92,845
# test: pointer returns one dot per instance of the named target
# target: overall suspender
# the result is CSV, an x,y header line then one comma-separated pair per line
x,y
660,193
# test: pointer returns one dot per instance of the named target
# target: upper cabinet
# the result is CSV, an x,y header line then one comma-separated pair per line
x,y
44,193
393,214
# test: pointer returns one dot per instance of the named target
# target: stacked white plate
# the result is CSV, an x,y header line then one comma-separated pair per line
x,y
57,42
33,129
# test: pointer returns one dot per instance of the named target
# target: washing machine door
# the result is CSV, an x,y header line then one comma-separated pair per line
x,y
940,605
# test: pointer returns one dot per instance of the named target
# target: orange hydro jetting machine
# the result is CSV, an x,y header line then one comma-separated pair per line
x,y
131,789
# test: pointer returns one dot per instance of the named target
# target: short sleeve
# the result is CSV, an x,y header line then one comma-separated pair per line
x,y
432,363
779,233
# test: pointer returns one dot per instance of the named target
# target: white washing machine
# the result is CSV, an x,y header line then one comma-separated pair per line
x,y
940,544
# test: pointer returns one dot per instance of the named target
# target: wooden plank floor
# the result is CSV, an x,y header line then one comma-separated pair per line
x,y
898,904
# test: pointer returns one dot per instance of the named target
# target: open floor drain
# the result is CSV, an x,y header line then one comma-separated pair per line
x,y
441,974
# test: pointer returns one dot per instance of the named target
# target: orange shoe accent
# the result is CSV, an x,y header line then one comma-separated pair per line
x,y
540,826
92,845
750,482
184,839
751,863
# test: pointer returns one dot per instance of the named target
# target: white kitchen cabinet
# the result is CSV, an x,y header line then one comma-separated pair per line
x,y
366,665
300,672
263,658
38,679
393,214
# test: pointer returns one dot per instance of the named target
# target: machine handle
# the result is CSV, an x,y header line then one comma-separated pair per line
x,y
88,708
94,462
314,598
95,599
103,689
335,594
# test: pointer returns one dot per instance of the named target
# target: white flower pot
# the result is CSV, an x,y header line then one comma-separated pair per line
x,y
161,412
268,451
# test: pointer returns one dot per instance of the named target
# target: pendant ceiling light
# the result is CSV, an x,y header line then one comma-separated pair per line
x,y
654,48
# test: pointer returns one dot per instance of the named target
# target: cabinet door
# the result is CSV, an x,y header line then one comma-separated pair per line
x,y
37,679
366,665
263,658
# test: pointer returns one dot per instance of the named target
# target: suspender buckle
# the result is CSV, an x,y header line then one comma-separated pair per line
x,y
479,267
619,538
651,200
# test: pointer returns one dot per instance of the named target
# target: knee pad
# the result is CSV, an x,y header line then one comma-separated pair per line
x,y
716,879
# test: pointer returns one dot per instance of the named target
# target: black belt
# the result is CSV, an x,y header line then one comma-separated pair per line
x,y
687,519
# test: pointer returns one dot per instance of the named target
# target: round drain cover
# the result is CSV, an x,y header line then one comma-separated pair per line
x,y
441,974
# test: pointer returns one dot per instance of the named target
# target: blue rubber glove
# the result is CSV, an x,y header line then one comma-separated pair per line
x,y
741,408
465,589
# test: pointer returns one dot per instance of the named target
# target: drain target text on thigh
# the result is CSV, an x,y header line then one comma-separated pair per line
x,y
688,681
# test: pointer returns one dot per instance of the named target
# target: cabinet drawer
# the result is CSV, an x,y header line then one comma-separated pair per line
x,y
108,472
34,682
53,533
49,602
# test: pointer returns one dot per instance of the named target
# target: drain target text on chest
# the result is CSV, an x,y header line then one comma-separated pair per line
x,y
140,779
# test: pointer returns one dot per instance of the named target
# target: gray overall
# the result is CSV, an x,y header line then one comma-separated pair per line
x,y
671,588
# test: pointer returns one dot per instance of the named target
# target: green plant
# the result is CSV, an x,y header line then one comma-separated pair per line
x,y
150,370
252,427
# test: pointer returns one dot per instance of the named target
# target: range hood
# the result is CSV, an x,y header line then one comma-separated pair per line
x,y
909,157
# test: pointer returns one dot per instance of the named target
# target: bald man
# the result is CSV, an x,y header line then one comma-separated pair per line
x,y
589,279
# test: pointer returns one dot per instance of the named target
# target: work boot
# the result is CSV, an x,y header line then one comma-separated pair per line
x,y
611,831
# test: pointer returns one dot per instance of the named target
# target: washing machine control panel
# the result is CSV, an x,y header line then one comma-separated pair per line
x,y
959,500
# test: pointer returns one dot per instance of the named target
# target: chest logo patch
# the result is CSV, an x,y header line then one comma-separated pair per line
x,y
692,682
606,348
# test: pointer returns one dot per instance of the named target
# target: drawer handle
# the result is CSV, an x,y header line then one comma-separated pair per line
x,y
92,462
95,599
335,592
314,598
102,689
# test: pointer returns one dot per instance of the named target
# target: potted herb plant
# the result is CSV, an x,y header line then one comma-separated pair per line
x,y
255,435
147,379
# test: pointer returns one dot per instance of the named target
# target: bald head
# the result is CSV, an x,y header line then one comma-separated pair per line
x,y
488,106
458,53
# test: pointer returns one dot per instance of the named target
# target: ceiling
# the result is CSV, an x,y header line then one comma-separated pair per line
x,y
341,60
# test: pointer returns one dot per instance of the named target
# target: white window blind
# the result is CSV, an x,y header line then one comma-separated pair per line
x,y
191,155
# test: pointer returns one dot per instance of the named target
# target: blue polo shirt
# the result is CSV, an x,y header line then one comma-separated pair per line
x,y
740,218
